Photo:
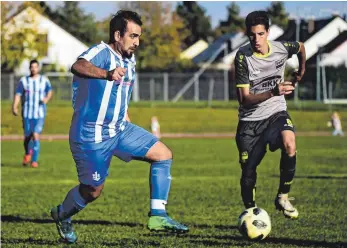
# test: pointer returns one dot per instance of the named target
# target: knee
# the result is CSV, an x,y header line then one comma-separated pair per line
x,y
159,152
166,154
36,136
90,193
290,148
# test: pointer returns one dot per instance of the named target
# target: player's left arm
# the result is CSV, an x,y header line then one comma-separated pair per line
x,y
127,118
48,91
302,62
17,98
297,48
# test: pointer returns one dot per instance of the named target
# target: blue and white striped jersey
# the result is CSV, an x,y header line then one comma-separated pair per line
x,y
100,106
32,92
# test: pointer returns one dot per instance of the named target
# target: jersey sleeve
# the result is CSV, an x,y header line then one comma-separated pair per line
x,y
48,87
241,71
292,47
97,55
20,88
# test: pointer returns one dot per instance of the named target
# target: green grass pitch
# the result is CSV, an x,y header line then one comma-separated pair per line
x,y
205,195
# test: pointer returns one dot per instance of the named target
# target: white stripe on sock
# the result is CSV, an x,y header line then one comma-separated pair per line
x,y
158,204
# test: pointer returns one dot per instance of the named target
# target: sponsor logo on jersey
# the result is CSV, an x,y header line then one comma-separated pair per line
x,y
280,63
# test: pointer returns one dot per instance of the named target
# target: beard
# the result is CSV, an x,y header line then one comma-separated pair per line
x,y
128,55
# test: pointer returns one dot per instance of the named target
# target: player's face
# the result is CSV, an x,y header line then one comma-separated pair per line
x,y
131,39
258,38
34,69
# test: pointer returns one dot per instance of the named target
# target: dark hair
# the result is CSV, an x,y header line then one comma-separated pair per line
x,y
33,62
120,20
257,18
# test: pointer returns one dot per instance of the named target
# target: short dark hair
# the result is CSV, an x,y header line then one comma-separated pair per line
x,y
120,20
33,61
257,18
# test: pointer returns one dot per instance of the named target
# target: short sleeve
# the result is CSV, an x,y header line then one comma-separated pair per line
x,y
20,88
98,55
292,47
241,70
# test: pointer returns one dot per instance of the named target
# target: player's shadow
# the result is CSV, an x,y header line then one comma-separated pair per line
x,y
317,177
120,242
11,218
230,240
219,227
29,241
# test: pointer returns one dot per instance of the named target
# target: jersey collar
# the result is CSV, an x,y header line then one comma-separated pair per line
x,y
259,55
131,60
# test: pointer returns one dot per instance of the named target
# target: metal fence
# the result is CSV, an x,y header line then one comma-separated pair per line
x,y
166,86
149,86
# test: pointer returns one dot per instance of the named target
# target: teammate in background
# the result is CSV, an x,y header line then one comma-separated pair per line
x,y
263,117
34,92
155,127
336,124
103,82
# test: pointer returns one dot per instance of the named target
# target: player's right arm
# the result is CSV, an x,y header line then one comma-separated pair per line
x,y
17,98
244,96
90,65
84,68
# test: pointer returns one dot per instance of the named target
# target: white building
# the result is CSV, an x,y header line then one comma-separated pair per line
x,y
63,48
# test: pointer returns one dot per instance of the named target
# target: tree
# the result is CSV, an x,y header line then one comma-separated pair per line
x,y
233,23
73,19
160,44
278,15
195,20
20,37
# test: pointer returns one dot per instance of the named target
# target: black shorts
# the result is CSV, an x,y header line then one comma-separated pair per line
x,y
252,137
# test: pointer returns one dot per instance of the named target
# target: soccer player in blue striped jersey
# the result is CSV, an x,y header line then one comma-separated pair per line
x,y
101,128
33,92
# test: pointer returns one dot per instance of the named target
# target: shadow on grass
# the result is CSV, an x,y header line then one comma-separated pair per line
x,y
316,177
230,240
11,218
29,241
120,243
222,240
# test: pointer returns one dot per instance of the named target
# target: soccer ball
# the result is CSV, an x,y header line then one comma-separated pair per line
x,y
254,223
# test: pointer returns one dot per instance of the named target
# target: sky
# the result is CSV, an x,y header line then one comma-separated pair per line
x,y
217,9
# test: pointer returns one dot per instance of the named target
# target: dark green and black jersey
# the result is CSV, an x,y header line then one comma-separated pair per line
x,y
261,73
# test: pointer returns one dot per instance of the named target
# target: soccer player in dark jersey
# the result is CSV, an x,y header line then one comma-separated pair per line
x,y
263,117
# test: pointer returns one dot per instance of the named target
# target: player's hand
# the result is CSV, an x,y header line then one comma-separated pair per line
x,y
44,101
297,75
284,88
15,111
116,74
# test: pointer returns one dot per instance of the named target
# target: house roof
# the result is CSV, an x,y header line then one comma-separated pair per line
x,y
320,39
44,16
335,53
233,40
304,32
194,50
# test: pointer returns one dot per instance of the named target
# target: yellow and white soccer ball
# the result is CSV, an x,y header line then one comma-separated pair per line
x,y
254,223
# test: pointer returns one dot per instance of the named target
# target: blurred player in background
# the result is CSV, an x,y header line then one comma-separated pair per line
x,y
336,124
155,126
100,128
34,92
263,117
